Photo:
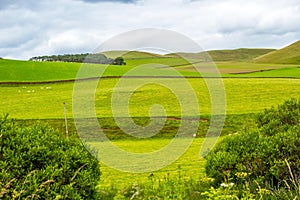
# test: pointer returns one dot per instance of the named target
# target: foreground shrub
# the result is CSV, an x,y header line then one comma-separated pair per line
x,y
269,155
38,163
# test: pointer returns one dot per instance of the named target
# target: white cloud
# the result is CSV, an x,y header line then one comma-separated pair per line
x,y
30,28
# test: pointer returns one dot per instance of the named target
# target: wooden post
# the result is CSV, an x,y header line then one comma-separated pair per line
x,y
66,120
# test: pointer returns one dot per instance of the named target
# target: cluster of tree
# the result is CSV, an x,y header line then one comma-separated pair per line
x,y
81,58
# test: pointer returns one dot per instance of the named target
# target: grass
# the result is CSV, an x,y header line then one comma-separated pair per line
x,y
286,55
235,55
281,72
243,96
14,70
191,164
130,54
240,55
58,71
236,69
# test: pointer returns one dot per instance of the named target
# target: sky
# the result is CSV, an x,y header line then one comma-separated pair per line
x,y
32,28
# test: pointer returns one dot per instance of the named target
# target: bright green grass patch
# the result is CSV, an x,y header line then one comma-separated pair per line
x,y
282,72
45,101
237,68
191,164
28,71
15,70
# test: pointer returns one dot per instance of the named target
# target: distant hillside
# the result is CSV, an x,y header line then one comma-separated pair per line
x,y
286,55
226,55
130,54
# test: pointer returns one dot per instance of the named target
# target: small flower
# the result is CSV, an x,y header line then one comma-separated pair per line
x,y
224,185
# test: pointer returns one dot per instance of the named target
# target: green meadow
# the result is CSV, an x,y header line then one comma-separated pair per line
x,y
249,88
30,71
243,96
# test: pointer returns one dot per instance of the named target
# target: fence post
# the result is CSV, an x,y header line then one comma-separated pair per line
x,y
66,120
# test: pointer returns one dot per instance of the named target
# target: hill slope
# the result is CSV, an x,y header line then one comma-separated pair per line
x,y
242,54
130,54
286,55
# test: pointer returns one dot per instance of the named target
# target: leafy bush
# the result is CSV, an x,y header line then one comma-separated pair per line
x,y
280,119
270,154
38,163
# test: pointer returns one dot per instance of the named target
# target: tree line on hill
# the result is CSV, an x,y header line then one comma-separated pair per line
x,y
80,58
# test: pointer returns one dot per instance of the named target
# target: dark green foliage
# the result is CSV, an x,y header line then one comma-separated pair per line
x,y
96,58
279,119
270,153
119,61
79,58
38,163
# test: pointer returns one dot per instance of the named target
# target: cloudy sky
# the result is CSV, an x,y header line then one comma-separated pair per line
x,y
31,28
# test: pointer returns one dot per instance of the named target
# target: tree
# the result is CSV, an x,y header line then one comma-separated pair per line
x,y
119,61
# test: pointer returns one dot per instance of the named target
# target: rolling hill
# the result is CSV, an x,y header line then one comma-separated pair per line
x,y
130,54
240,55
287,55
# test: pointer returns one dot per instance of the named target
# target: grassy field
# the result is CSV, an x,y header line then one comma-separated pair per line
x,y
236,69
281,72
49,71
244,98
56,71
191,164
45,101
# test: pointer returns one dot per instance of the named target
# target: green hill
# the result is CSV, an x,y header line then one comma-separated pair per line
x,y
286,55
130,54
237,54
32,71
240,55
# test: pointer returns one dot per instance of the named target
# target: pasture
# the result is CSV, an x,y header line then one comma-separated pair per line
x,y
246,95
29,71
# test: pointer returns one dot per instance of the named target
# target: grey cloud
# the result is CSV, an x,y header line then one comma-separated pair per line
x,y
30,28
99,1
14,4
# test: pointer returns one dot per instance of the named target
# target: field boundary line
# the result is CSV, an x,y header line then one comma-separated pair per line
x,y
133,77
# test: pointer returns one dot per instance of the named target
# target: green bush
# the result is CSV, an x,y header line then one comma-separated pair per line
x,y
270,154
37,162
279,119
